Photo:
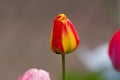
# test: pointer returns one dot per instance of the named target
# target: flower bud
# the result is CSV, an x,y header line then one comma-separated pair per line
x,y
114,50
64,37
35,74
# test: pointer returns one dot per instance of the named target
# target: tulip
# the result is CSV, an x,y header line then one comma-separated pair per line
x,y
114,50
64,37
35,74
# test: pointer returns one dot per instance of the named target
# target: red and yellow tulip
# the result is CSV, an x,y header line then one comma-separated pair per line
x,y
114,50
64,37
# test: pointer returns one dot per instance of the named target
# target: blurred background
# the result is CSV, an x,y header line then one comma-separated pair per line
x,y
25,27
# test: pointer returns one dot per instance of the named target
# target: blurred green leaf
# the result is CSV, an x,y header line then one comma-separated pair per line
x,y
112,9
79,76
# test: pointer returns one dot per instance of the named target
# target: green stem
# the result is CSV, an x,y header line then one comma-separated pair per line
x,y
63,67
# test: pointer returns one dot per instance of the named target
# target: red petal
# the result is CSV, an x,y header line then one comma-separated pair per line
x,y
114,50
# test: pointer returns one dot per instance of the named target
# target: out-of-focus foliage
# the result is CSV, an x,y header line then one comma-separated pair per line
x,y
112,9
87,76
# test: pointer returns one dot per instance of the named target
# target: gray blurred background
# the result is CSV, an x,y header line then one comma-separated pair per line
x,y
25,27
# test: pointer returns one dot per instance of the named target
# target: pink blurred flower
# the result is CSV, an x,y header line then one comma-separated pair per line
x,y
114,50
35,74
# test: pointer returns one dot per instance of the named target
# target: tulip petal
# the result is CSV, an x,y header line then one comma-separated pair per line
x,y
114,50
68,40
35,74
